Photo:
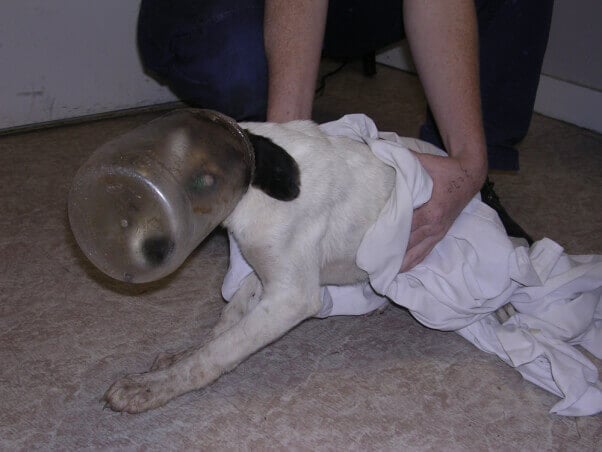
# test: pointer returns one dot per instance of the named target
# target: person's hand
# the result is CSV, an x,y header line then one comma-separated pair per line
x,y
454,185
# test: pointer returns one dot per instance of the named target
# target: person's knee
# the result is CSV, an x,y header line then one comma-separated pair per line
x,y
211,53
230,77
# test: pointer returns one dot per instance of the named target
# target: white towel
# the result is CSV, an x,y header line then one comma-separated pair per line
x,y
472,272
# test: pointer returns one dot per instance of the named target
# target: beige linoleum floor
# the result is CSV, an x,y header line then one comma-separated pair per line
x,y
381,382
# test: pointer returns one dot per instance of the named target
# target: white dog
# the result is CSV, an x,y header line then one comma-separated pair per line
x,y
299,226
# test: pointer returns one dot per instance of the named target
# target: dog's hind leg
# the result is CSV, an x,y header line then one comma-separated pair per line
x,y
280,309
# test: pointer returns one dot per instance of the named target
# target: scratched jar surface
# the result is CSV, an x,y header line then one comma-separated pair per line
x,y
145,200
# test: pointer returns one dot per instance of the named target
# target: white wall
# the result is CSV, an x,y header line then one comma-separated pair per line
x,y
67,58
575,47
571,84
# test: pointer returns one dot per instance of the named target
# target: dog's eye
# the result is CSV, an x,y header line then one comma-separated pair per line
x,y
202,182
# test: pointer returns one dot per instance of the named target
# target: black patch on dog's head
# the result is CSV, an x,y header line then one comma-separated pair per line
x,y
276,172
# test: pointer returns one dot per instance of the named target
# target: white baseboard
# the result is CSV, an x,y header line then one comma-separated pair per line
x,y
569,102
557,99
398,57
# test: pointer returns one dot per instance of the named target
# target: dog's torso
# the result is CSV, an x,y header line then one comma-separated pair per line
x,y
343,189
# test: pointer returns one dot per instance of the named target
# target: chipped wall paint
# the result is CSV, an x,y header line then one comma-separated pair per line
x,y
67,58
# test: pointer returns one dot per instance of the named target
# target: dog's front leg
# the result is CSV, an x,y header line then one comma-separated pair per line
x,y
243,301
280,309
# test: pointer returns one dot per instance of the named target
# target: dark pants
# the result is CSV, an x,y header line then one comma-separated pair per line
x,y
211,54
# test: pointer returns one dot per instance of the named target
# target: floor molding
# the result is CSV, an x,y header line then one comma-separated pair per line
x,y
92,117
397,56
569,102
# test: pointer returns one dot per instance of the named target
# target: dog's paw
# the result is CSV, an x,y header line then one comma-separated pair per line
x,y
136,393
167,359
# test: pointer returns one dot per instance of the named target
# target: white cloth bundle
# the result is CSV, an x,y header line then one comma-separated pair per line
x,y
472,272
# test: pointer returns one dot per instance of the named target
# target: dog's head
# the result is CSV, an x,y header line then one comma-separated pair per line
x,y
142,202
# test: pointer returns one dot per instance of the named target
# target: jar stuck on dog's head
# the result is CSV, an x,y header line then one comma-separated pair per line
x,y
142,202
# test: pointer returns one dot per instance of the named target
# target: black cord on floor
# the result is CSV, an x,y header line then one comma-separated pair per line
x,y
322,86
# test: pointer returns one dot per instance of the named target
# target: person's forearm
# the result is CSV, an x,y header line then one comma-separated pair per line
x,y
443,38
293,34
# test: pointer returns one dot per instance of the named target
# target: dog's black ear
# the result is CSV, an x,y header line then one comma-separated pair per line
x,y
276,172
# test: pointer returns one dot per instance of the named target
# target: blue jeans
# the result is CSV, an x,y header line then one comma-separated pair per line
x,y
211,54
